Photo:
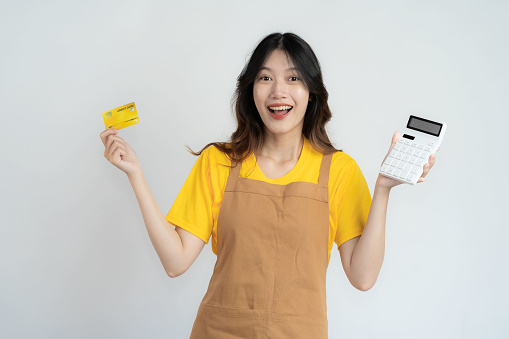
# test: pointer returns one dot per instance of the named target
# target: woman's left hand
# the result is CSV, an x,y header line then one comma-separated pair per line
x,y
383,181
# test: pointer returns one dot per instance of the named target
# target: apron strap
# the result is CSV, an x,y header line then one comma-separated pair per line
x,y
323,179
234,171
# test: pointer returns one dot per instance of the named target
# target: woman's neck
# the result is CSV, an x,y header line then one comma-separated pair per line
x,y
282,148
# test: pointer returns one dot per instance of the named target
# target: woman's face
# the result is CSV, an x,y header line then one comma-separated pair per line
x,y
280,95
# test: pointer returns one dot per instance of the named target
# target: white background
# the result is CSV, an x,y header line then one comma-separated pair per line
x,y
75,258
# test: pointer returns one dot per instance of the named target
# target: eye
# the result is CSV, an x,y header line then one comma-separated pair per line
x,y
264,78
294,79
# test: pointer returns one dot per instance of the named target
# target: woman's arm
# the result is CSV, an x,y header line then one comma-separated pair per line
x,y
177,249
362,257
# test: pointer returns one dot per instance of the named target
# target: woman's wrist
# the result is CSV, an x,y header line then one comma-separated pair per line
x,y
135,175
379,187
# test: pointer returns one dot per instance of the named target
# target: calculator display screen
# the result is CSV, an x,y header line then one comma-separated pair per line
x,y
423,125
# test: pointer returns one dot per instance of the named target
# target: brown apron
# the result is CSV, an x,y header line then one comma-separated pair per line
x,y
270,275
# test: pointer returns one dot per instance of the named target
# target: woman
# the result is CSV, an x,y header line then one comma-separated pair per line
x,y
274,199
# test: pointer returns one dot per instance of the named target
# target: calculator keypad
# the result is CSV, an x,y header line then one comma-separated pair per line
x,y
406,159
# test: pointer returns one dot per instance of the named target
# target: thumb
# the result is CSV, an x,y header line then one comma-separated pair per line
x,y
395,138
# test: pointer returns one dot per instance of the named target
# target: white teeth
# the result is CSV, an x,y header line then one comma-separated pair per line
x,y
280,108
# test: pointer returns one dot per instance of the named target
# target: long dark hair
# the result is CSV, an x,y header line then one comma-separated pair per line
x,y
249,134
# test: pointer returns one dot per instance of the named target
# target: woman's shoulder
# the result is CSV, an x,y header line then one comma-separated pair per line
x,y
345,172
216,155
341,158
343,163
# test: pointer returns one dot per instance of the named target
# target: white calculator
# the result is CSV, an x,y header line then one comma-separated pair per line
x,y
421,138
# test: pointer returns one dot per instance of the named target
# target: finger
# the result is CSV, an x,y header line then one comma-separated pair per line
x,y
116,156
105,133
109,147
386,156
112,139
438,149
395,138
431,161
426,170
421,179
108,154
115,146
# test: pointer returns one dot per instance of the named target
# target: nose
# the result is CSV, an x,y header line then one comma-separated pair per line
x,y
279,89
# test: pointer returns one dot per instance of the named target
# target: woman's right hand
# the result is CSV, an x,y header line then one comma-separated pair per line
x,y
119,153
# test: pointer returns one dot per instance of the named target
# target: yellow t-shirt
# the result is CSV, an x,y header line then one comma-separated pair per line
x,y
196,207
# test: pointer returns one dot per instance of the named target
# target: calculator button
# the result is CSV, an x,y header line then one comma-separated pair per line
x,y
417,153
404,148
412,160
384,168
427,149
390,170
424,155
408,167
407,142
414,144
401,140
406,158
393,153
404,174
401,165
399,156
410,177
395,163
431,143
397,172
397,147
411,150
421,146
388,161
419,162
415,169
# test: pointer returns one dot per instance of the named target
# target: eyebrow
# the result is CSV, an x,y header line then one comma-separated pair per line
x,y
289,69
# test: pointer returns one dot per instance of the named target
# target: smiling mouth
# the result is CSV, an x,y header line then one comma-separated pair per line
x,y
280,110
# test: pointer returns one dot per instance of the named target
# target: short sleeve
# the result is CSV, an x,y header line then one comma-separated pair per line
x,y
192,209
354,202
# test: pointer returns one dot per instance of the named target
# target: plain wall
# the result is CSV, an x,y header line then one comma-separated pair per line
x,y
75,258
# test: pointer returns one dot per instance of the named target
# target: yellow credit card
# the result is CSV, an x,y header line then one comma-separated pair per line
x,y
120,117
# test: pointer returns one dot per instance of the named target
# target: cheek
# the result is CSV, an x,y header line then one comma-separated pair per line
x,y
303,101
301,92
259,97
302,95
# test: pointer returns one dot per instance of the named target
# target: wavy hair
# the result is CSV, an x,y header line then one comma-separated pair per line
x,y
249,135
